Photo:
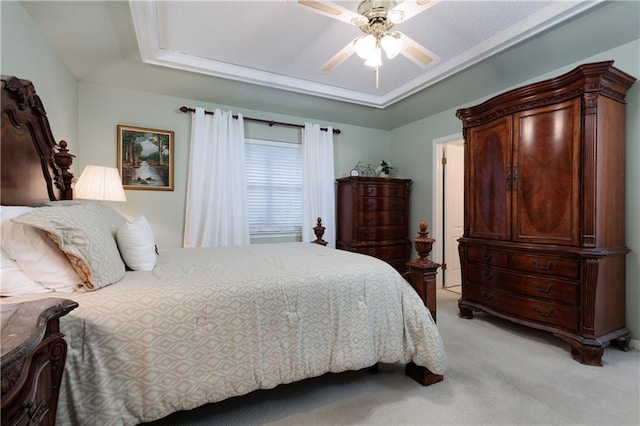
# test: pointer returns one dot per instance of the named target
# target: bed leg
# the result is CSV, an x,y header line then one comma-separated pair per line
x,y
422,375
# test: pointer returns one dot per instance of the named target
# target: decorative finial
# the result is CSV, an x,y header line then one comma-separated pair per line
x,y
423,243
319,231
63,159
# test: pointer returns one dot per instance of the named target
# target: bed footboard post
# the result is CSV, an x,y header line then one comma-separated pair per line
x,y
422,277
422,271
319,231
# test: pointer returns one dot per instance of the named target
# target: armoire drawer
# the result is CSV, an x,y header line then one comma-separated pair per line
x,y
381,204
537,310
382,218
380,191
546,265
380,233
488,256
538,286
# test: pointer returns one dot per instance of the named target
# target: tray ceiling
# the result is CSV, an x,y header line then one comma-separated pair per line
x,y
284,44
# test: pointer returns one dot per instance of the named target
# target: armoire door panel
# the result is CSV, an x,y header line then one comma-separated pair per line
x,y
490,175
546,156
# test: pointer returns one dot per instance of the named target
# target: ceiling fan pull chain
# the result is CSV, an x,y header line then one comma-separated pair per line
x,y
377,78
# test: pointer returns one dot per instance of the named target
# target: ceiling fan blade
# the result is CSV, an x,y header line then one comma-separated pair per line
x,y
410,8
339,57
417,53
332,10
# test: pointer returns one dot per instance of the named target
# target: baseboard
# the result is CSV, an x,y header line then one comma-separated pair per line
x,y
634,344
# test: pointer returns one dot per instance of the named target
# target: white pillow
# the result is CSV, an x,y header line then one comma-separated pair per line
x,y
14,282
42,264
39,257
9,212
137,245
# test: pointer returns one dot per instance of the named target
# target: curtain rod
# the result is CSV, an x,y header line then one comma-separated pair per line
x,y
258,120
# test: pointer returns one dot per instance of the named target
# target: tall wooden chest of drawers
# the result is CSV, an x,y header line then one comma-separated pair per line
x,y
373,218
544,236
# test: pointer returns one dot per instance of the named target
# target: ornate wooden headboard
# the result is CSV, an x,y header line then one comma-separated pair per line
x,y
34,168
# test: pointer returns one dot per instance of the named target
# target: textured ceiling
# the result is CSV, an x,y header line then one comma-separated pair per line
x,y
97,41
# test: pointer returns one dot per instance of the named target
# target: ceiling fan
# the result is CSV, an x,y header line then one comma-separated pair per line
x,y
376,18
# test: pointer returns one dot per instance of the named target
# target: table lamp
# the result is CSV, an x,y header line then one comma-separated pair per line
x,y
99,183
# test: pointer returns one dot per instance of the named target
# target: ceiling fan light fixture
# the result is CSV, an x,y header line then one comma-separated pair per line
x,y
391,43
375,58
395,16
365,46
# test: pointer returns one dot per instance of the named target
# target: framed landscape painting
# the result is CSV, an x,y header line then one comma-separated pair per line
x,y
145,158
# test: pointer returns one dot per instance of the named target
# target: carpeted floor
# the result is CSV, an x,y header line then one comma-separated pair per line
x,y
499,373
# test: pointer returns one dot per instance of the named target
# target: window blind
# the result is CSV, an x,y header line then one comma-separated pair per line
x,y
274,187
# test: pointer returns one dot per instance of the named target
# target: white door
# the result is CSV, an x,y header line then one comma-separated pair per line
x,y
453,212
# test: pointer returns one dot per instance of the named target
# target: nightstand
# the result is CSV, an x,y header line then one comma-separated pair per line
x,y
33,357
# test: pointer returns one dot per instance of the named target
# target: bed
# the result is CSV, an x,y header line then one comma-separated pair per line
x,y
203,324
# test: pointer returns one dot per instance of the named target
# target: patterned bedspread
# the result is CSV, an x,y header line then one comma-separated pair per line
x,y
209,324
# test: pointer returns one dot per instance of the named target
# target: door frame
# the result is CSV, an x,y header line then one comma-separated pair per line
x,y
435,228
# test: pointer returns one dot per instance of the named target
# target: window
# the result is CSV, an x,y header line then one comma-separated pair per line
x,y
274,187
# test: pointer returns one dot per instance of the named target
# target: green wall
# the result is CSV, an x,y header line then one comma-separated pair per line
x,y
26,54
102,108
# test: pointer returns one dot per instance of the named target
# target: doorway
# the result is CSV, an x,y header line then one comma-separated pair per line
x,y
448,205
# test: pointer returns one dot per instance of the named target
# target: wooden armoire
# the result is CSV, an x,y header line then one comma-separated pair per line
x,y
544,217
373,218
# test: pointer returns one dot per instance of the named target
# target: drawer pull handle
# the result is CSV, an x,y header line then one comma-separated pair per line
x,y
487,275
542,268
542,290
395,205
543,314
370,190
369,204
486,295
487,257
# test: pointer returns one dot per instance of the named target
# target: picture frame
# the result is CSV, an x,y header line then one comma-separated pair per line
x,y
145,158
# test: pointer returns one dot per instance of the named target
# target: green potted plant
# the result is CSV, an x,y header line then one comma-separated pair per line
x,y
384,169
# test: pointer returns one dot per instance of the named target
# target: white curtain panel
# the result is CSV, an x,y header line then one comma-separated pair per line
x,y
216,212
318,185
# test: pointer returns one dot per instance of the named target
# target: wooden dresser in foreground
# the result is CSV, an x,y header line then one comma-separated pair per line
x,y
33,357
544,225
373,218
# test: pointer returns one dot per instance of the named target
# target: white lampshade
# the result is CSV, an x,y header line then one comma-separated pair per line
x,y
375,59
99,183
392,44
365,46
